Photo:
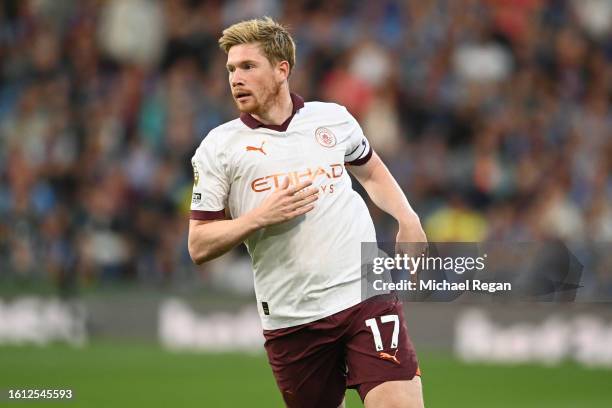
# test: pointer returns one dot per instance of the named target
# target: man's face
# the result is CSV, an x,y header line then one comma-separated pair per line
x,y
255,83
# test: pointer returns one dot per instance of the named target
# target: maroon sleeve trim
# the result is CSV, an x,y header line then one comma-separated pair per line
x,y
361,161
207,215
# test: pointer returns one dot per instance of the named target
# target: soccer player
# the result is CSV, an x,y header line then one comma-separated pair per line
x,y
276,179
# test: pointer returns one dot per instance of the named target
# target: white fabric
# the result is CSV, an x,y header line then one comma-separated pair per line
x,y
310,267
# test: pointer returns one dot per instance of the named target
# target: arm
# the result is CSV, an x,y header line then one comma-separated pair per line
x,y
389,197
211,239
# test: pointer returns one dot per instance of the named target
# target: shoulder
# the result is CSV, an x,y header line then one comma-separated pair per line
x,y
325,108
220,137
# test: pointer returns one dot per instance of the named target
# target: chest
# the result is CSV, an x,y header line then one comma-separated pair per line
x,y
299,153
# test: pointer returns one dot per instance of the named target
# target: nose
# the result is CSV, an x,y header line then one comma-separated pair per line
x,y
236,79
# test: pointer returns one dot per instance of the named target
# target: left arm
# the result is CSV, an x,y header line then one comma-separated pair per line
x,y
389,197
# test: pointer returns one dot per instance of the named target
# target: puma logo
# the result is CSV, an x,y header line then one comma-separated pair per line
x,y
256,149
389,357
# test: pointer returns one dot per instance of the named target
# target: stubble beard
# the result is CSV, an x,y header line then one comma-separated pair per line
x,y
269,97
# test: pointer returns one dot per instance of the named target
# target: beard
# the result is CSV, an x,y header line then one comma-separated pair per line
x,y
261,103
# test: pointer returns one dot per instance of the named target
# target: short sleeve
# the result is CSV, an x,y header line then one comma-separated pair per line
x,y
358,150
210,184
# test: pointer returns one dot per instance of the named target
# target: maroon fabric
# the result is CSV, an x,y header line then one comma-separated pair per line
x,y
363,160
207,215
366,387
314,363
250,121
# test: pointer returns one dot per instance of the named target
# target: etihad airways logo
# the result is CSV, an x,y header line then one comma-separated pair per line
x,y
273,181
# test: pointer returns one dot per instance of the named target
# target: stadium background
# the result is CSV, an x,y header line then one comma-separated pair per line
x,y
494,116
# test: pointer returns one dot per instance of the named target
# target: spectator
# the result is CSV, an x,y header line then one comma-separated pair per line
x,y
505,106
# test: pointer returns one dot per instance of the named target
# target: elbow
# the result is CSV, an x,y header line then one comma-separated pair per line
x,y
198,255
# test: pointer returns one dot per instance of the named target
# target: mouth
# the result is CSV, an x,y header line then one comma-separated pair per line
x,y
241,96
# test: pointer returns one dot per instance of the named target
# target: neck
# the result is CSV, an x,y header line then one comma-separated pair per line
x,y
279,111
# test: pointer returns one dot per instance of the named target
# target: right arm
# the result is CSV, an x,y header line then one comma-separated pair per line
x,y
211,239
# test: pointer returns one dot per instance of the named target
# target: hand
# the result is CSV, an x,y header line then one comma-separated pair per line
x,y
286,203
412,242
411,239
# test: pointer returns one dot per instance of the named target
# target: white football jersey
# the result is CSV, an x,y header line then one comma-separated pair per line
x,y
310,267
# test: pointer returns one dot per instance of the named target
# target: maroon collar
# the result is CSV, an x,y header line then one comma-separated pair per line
x,y
250,121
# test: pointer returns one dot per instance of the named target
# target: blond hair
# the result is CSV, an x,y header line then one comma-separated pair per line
x,y
274,39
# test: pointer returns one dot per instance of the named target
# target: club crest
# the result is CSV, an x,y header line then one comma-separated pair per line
x,y
325,137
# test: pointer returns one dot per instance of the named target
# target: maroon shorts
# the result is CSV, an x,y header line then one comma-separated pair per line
x,y
360,347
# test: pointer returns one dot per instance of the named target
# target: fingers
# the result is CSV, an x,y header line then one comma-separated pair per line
x,y
285,183
297,199
301,210
298,187
303,200
304,194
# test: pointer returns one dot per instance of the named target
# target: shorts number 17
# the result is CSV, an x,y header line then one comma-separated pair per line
x,y
371,323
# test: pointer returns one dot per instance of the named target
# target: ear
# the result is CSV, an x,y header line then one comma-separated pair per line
x,y
283,69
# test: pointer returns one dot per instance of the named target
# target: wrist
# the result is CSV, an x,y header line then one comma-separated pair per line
x,y
409,221
253,221
411,229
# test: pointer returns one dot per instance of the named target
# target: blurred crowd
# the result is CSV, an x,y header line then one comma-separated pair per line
x,y
494,116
